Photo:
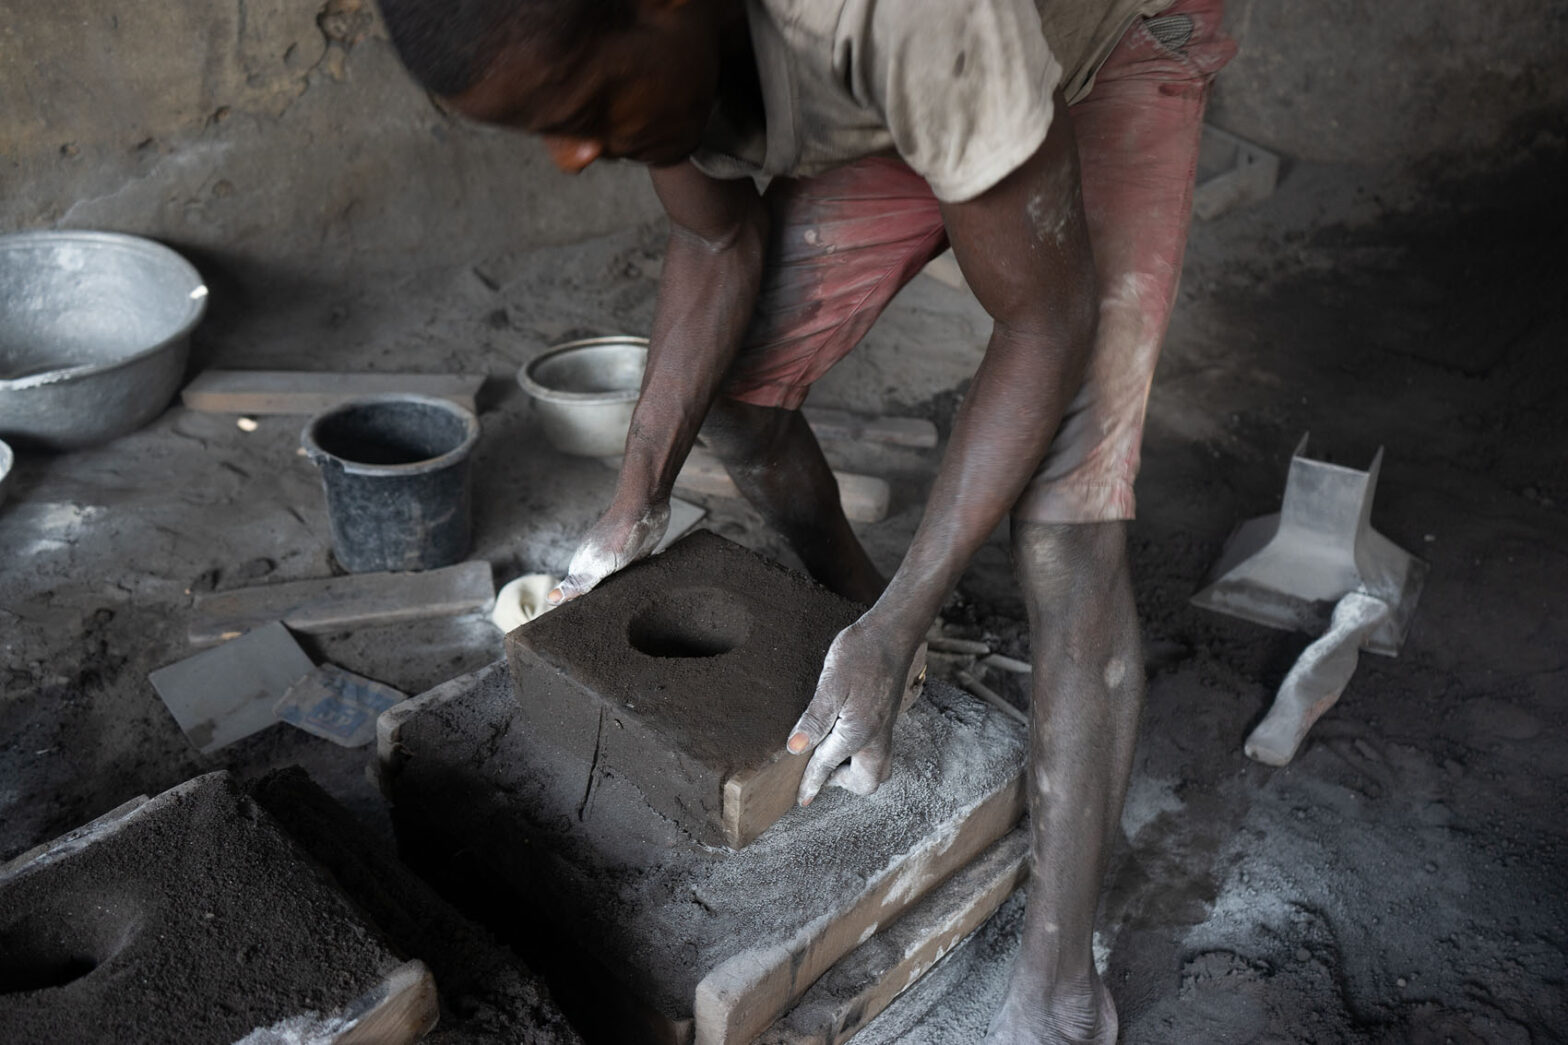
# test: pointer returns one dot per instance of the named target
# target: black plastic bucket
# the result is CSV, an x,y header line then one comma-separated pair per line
x,y
395,469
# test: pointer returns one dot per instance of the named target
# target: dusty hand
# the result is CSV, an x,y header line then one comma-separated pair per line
x,y
616,541
852,714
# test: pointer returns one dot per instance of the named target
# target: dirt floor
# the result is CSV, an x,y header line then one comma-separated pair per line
x,y
1400,881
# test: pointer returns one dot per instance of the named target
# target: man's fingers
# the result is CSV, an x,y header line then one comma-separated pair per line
x,y
573,586
833,750
866,771
813,725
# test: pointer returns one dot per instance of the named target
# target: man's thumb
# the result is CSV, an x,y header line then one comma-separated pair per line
x,y
573,586
808,732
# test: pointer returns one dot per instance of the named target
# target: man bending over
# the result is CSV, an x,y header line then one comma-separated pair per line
x,y
812,156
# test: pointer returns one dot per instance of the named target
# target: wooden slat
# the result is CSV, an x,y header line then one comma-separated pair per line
x,y
869,978
311,391
741,997
402,1009
846,427
332,603
866,497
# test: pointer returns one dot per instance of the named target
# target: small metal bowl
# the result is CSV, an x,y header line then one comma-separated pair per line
x,y
585,392
94,334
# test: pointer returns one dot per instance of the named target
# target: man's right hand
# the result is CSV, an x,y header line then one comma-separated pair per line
x,y
712,269
617,540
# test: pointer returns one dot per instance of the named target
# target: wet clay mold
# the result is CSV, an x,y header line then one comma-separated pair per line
x,y
685,942
191,917
488,994
684,674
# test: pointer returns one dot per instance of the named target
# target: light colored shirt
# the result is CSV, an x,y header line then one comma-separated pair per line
x,y
961,90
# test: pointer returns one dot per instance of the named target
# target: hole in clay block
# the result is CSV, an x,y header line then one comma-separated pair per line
x,y
690,622
59,945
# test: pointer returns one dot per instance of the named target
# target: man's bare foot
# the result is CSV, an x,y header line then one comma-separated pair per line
x,y
1070,1016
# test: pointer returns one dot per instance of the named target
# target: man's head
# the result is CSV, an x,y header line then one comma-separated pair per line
x,y
631,79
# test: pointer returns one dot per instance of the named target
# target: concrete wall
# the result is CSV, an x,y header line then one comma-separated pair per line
x,y
276,132
1396,82
283,133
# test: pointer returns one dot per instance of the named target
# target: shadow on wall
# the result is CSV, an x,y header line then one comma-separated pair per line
x,y
1341,81
287,136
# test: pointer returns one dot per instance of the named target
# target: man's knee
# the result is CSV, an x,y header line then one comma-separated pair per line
x,y
743,435
1069,562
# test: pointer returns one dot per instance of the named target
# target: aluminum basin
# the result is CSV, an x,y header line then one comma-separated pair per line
x,y
94,334
585,391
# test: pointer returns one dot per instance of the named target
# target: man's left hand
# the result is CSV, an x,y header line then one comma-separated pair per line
x,y
852,715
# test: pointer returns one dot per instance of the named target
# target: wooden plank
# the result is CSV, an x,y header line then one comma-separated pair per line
x,y
402,1009
741,997
869,978
866,497
357,600
843,426
312,391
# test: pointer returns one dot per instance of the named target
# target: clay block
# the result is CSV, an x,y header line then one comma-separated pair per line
x,y
869,978
684,674
191,917
698,943
333,603
313,391
487,993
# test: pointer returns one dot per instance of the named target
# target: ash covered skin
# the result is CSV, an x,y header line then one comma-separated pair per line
x,y
1053,205
869,761
611,546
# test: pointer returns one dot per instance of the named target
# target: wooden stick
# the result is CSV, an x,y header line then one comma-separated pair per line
x,y
990,696
866,498
331,603
311,392
1003,663
842,426
968,647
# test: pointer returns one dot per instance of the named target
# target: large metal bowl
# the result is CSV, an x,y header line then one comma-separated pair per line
x,y
585,392
94,333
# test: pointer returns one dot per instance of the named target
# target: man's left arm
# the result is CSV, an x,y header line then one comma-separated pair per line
x,y
1024,249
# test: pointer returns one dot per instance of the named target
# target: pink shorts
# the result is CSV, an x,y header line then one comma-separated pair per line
x,y
847,241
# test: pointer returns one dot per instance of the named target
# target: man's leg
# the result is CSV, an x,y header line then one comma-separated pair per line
x,y
1088,691
843,244
777,464
1137,138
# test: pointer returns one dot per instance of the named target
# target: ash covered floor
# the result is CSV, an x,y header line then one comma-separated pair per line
x,y
1400,881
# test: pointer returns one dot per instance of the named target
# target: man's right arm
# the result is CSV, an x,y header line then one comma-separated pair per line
x,y
712,271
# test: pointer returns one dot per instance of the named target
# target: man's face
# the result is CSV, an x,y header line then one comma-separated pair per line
x,y
644,93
